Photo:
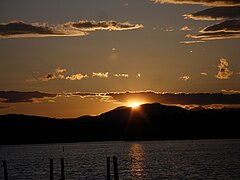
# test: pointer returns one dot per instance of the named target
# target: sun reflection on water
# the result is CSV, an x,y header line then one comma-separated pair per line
x,y
136,155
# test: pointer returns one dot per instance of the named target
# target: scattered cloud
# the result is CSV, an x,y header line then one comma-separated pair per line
x,y
57,74
184,78
215,13
203,73
100,74
185,28
75,77
20,29
20,97
224,72
121,75
201,2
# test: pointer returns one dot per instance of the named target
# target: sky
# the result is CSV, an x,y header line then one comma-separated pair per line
x,y
71,58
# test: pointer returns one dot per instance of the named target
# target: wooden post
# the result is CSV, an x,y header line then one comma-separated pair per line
x,y
115,166
51,169
62,169
108,168
5,170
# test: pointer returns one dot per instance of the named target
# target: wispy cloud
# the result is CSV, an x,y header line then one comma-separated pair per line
x,y
184,78
100,74
223,72
215,13
201,2
20,29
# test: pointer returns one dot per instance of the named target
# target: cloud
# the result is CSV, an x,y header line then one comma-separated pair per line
x,y
216,13
191,42
185,78
100,74
75,77
20,97
203,73
201,2
185,28
226,98
223,30
86,25
224,72
230,91
121,75
57,74
20,29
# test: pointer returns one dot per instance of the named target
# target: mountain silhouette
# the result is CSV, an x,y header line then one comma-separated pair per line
x,y
146,122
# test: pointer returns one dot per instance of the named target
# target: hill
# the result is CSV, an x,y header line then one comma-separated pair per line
x,y
147,122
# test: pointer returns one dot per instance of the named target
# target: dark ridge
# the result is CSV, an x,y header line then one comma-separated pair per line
x,y
147,122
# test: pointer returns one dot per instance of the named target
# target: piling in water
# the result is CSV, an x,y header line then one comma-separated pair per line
x,y
62,169
5,170
51,169
115,167
108,168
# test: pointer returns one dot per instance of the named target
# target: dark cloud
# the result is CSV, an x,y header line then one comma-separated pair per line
x,y
216,13
178,98
19,97
201,2
19,29
225,97
103,25
225,26
223,30
1,107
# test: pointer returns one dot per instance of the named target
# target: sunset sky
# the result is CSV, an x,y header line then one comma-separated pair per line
x,y
71,58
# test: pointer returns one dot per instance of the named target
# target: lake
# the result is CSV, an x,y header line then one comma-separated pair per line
x,y
200,159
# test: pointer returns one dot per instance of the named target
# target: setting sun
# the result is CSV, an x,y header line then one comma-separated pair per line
x,y
134,104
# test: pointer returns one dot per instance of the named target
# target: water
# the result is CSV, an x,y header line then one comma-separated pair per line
x,y
203,159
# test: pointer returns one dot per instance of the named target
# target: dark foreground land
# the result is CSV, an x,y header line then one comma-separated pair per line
x,y
148,122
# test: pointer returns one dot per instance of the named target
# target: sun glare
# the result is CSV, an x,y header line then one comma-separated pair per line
x,y
134,104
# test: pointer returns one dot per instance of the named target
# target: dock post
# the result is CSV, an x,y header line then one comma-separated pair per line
x,y
115,166
62,169
51,169
5,170
108,168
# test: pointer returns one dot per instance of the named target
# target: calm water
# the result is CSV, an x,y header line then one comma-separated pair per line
x,y
208,159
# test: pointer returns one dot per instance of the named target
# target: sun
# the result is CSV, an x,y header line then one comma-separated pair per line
x,y
134,104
